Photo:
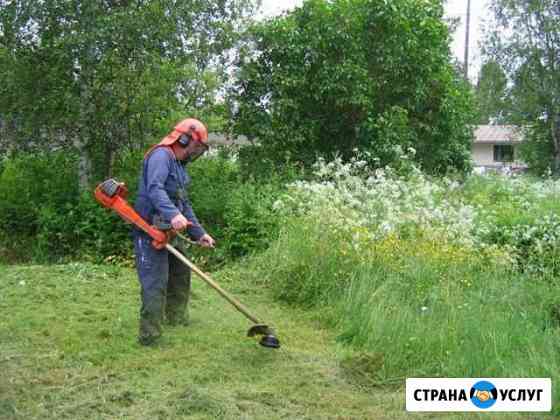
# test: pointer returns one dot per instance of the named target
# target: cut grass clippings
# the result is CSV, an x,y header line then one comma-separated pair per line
x,y
68,350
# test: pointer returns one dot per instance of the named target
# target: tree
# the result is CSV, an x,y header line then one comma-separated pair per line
x,y
332,76
524,39
97,76
491,94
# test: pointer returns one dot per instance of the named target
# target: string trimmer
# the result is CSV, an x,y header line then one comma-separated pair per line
x,y
112,195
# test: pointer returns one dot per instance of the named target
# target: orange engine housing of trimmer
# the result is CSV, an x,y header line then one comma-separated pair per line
x,y
112,195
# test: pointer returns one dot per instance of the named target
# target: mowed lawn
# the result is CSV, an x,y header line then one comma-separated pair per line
x,y
68,350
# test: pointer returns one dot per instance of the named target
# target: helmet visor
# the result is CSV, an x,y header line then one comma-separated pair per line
x,y
198,150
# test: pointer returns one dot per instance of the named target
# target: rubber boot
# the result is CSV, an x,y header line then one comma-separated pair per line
x,y
149,332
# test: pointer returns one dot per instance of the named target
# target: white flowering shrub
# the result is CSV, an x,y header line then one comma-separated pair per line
x,y
370,205
519,214
379,203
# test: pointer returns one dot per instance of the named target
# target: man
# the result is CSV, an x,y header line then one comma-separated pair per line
x,y
162,195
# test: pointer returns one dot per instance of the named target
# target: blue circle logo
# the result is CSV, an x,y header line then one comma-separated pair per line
x,y
484,394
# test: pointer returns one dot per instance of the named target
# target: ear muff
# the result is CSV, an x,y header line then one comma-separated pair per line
x,y
185,139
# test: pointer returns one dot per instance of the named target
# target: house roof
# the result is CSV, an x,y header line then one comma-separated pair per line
x,y
489,134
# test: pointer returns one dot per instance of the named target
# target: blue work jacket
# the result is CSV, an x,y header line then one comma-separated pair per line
x,y
163,188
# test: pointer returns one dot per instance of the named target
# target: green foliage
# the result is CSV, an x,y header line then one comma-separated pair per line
x,y
520,215
307,265
538,148
214,180
30,183
523,38
99,77
251,223
236,211
84,229
417,274
45,218
416,304
424,276
491,90
255,161
51,221
257,165
333,76
445,337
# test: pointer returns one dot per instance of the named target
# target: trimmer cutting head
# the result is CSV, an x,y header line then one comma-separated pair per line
x,y
268,340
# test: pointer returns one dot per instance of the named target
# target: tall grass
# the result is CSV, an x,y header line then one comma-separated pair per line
x,y
406,270
423,308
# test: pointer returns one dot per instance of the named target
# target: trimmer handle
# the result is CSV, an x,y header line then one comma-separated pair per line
x,y
167,227
161,224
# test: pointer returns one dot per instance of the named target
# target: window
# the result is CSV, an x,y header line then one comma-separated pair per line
x,y
503,153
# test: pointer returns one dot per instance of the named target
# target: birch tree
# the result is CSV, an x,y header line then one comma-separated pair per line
x,y
94,77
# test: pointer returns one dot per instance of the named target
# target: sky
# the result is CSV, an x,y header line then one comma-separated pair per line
x,y
453,8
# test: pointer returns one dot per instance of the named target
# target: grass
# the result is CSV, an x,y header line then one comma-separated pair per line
x,y
498,328
68,351
419,307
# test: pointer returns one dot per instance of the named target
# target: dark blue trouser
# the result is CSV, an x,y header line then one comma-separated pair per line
x,y
166,284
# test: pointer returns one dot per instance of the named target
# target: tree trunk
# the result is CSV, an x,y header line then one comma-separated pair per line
x,y
84,67
84,164
555,133
109,161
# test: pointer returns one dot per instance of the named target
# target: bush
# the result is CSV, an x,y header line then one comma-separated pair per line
x,y
214,180
332,76
522,215
236,211
251,224
29,184
82,230
45,218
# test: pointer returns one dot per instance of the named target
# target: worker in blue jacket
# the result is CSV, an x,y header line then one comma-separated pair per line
x,y
162,195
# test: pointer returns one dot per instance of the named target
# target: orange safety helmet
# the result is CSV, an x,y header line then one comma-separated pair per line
x,y
187,130
193,128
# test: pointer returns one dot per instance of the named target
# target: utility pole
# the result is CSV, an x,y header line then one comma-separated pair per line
x,y
466,68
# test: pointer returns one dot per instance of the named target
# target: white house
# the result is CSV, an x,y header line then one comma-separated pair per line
x,y
221,139
495,147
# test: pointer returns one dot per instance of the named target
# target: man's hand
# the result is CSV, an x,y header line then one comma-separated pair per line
x,y
206,241
179,222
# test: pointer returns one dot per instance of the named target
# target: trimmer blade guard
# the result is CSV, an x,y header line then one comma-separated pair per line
x,y
259,329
